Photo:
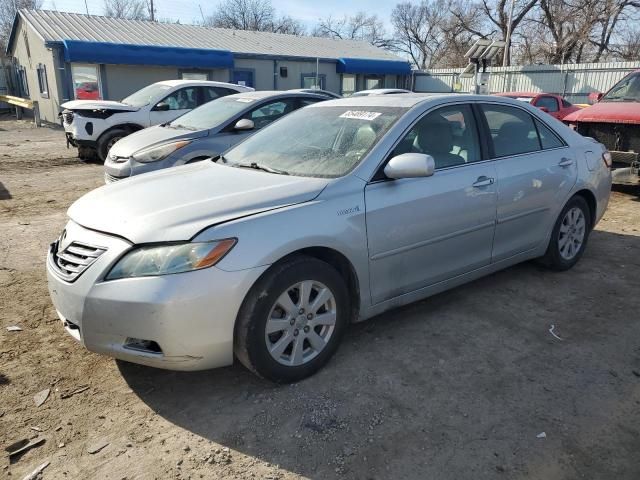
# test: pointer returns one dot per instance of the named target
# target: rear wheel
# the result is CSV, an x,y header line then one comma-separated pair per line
x,y
569,236
292,320
107,141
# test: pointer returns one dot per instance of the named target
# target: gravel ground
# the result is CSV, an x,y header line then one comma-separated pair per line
x,y
459,386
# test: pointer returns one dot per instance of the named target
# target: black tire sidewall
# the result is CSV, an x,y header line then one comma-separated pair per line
x,y
104,140
553,257
261,299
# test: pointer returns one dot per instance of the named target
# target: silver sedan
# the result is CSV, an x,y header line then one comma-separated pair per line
x,y
334,214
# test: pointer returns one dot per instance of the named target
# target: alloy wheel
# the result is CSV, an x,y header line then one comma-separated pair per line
x,y
301,323
572,233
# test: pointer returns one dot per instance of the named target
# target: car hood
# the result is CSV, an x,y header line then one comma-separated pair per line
x,y
149,137
177,203
609,112
98,105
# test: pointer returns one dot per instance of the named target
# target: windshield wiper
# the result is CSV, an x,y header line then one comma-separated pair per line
x,y
264,168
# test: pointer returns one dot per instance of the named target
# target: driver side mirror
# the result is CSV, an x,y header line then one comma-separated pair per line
x,y
544,109
410,165
595,97
244,124
162,107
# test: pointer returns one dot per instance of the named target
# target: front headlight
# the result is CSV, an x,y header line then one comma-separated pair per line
x,y
153,154
172,258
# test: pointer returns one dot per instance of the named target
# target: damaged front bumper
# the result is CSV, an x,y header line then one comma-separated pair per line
x,y
182,321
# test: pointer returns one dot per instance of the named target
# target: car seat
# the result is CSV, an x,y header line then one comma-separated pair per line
x,y
435,138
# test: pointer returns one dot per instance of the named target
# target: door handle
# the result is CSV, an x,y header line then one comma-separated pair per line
x,y
483,182
565,162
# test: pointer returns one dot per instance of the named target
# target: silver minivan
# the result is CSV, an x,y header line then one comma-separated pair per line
x,y
204,132
335,213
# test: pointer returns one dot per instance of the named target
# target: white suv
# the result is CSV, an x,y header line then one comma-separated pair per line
x,y
93,126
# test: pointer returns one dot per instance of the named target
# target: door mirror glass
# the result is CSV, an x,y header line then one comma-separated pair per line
x,y
244,124
410,165
162,107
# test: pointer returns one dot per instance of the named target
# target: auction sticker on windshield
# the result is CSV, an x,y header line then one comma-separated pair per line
x,y
360,115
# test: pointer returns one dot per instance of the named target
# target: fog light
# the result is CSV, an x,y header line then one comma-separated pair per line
x,y
147,346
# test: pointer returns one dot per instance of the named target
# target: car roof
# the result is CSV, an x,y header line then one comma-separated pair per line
x,y
382,91
521,94
204,83
409,100
262,94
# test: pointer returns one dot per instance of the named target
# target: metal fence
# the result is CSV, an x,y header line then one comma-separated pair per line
x,y
575,82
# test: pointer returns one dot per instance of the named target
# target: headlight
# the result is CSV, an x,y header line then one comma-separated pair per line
x,y
172,258
153,154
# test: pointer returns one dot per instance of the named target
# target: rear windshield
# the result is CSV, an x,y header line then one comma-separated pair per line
x,y
627,90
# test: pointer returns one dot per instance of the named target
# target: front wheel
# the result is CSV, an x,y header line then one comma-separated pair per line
x,y
108,140
570,234
292,320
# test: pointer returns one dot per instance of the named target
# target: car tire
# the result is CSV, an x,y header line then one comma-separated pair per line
x,y
569,236
106,141
301,338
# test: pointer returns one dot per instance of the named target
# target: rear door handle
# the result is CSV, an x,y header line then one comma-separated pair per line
x,y
483,182
565,162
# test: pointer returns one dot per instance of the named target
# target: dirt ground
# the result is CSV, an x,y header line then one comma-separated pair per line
x,y
460,386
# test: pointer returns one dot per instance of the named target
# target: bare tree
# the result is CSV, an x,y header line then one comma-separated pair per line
x,y
360,26
420,30
8,10
256,15
129,9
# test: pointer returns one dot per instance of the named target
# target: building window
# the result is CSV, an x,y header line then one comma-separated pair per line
x,y
86,82
43,84
284,72
348,84
199,76
310,80
372,81
24,84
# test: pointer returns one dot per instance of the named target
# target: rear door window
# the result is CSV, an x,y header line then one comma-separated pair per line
x,y
513,131
548,139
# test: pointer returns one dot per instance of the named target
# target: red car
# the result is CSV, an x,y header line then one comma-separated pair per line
x,y
615,122
87,91
554,105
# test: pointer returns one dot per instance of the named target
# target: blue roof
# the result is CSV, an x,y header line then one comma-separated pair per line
x,y
124,54
365,65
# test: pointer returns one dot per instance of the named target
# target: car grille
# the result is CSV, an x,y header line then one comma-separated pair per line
x,y
67,117
74,259
615,136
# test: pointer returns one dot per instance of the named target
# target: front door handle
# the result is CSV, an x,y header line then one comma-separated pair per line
x,y
483,182
565,162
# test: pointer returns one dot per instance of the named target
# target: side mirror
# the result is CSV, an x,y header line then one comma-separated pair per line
x,y
244,124
410,165
595,97
162,107
544,109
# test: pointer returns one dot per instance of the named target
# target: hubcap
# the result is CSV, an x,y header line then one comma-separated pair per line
x,y
300,323
572,231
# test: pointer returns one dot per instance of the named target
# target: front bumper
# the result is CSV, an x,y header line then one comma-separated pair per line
x,y
189,316
122,168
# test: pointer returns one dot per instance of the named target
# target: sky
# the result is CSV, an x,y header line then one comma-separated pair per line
x,y
188,11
